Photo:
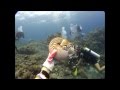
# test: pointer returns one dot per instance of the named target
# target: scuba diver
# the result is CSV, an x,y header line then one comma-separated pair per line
x,y
19,34
59,49
85,53
74,59
75,31
92,58
88,56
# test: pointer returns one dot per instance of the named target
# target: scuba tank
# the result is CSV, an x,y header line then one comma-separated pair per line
x,y
92,52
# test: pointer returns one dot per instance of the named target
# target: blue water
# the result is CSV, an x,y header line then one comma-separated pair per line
x,y
89,20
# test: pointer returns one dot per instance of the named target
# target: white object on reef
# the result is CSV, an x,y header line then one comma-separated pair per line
x,y
80,27
64,33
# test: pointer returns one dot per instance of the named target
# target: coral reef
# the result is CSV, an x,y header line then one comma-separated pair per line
x,y
29,59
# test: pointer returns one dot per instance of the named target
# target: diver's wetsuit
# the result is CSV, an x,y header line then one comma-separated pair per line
x,y
88,57
85,55
19,35
74,59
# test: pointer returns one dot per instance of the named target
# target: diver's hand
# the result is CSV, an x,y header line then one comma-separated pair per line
x,y
49,63
47,66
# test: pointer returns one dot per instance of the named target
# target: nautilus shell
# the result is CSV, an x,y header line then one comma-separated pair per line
x,y
59,43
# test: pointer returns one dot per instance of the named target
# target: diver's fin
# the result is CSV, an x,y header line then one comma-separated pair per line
x,y
75,72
